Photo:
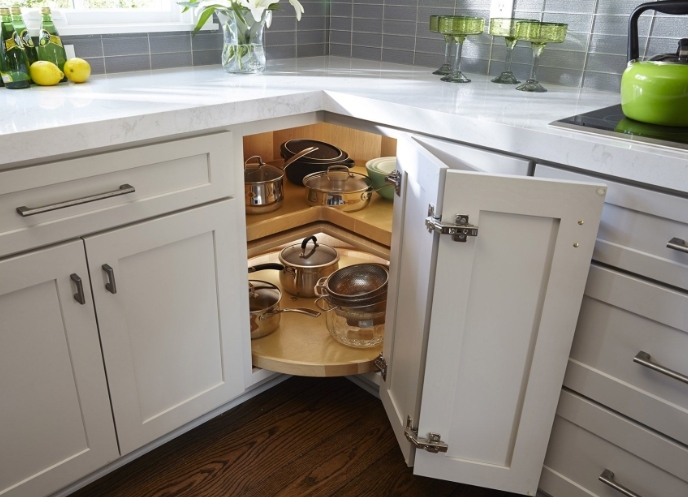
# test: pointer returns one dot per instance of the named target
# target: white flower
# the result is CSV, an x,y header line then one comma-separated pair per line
x,y
257,7
298,8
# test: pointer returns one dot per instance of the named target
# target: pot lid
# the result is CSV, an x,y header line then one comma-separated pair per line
x,y
338,179
257,171
326,152
262,295
309,255
680,57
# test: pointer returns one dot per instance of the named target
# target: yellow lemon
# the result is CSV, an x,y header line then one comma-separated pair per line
x,y
45,73
77,70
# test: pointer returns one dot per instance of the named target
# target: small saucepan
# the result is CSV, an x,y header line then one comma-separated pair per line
x,y
264,304
264,184
339,188
302,266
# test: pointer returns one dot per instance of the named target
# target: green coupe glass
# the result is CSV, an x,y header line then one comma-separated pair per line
x,y
506,27
539,34
458,27
448,40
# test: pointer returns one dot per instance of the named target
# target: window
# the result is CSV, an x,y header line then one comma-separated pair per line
x,y
82,17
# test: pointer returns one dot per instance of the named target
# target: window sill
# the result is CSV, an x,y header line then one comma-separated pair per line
x,y
103,29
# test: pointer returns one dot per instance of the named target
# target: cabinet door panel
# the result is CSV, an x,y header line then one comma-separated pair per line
x,y
410,286
172,334
504,310
55,420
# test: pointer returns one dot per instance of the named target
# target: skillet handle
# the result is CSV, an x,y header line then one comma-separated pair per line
x,y
298,310
260,267
672,7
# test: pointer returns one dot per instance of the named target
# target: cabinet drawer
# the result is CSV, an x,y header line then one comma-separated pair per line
x,y
165,177
636,226
587,439
621,316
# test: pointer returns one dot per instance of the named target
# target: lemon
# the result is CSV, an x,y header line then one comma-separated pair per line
x,y
45,73
77,70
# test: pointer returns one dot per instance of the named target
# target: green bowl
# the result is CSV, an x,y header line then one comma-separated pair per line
x,y
377,173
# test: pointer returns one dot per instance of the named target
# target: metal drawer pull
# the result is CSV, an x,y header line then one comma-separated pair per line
x,y
644,359
79,295
110,286
27,211
607,477
678,244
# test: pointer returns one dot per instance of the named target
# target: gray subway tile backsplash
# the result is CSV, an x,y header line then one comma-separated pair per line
x,y
593,55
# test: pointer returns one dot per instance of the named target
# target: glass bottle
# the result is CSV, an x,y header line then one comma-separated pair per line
x,y
24,36
15,65
49,43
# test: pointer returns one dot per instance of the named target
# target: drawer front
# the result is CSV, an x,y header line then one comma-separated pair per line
x,y
588,439
94,193
636,227
621,316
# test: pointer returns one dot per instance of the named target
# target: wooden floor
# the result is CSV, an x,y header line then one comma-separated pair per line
x,y
306,436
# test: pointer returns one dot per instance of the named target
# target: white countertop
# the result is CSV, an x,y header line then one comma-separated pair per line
x,y
118,109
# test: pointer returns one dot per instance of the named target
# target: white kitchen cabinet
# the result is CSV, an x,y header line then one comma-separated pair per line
x,y
479,329
170,295
55,420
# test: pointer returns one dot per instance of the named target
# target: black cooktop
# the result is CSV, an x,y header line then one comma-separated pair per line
x,y
611,121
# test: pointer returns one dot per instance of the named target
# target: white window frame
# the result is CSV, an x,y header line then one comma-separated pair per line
x,y
113,21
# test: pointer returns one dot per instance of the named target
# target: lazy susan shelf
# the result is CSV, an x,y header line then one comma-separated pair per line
x,y
374,222
301,345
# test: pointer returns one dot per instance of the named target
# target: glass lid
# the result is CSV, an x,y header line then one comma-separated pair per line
x,y
262,295
309,255
337,179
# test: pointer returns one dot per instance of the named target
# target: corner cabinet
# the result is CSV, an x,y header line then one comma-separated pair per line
x,y
55,418
481,317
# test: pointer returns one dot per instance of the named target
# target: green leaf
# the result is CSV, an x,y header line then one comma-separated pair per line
x,y
205,15
274,6
237,11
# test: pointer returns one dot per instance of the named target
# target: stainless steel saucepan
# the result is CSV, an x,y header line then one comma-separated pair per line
x,y
339,188
264,304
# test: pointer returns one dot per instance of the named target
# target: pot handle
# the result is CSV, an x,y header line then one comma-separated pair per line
x,y
298,156
317,304
319,288
298,310
304,243
672,7
260,267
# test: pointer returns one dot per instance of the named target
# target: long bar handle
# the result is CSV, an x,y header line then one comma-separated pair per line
x,y
110,286
607,477
678,244
79,296
644,359
29,211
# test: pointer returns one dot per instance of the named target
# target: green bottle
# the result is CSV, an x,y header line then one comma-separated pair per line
x,y
15,65
24,36
49,43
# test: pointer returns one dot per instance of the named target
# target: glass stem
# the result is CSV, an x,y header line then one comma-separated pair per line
x,y
456,66
509,56
537,50
447,49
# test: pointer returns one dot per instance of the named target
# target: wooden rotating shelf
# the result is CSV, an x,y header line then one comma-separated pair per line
x,y
374,222
302,346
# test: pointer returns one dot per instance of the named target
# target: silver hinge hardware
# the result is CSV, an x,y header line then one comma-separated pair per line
x,y
459,231
394,178
381,364
431,444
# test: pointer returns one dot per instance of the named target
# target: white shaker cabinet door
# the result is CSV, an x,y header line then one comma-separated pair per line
x,y
172,318
503,310
55,420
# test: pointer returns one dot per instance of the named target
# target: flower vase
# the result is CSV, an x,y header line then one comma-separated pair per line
x,y
243,51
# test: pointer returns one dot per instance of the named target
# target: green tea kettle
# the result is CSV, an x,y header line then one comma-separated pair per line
x,y
656,91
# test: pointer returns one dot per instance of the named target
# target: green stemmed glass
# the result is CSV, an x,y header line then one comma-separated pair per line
x,y
458,27
506,27
539,34
448,40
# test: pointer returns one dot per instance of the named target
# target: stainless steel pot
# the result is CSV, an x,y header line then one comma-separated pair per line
x,y
264,304
264,184
303,267
339,188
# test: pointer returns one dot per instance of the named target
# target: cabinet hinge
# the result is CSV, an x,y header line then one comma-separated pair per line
x,y
459,231
394,178
432,444
381,364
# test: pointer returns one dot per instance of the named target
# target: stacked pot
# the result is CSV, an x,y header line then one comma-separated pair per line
x,y
355,300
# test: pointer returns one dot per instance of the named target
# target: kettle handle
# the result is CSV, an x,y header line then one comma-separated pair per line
x,y
672,7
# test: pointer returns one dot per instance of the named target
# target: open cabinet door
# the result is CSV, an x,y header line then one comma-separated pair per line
x,y
410,286
504,309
